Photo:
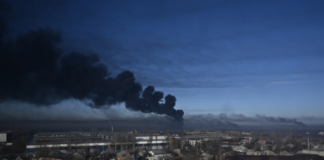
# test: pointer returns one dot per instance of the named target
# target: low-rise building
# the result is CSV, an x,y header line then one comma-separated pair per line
x,y
285,153
241,149
122,154
155,155
93,142
319,152
6,137
206,156
265,141
194,142
244,141
290,145
268,153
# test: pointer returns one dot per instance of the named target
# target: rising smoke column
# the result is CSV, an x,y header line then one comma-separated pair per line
x,y
34,70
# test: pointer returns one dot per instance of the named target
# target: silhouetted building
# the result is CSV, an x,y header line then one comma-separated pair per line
x,y
92,142
6,137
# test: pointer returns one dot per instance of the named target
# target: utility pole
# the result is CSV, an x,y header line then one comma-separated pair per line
x,y
307,139
220,153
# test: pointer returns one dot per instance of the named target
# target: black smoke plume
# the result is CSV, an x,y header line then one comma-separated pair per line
x,y
210,120
34,69
279,120
232,124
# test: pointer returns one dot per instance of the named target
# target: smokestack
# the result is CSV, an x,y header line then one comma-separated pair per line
x,y
112,128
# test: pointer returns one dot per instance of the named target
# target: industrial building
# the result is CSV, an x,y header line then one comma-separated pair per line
x,y
91,142
6,137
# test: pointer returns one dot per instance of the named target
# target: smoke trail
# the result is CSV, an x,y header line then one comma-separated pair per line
x,y
232,119
232,124
279,120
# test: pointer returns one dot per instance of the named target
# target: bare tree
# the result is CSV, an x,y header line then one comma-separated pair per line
x,y
167,137
133,139
156,137
126,141
151,138
69,147
42,151
114,139
182,141
108,145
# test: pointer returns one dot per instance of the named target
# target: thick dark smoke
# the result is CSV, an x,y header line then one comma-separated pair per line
x,y
232,124
209,121
33,69
4,10
279,120
150,102
231,120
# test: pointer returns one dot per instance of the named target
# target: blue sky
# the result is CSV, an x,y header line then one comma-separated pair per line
x,y
244,57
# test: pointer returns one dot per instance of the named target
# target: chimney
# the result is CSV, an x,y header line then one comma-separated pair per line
x,y
112,128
